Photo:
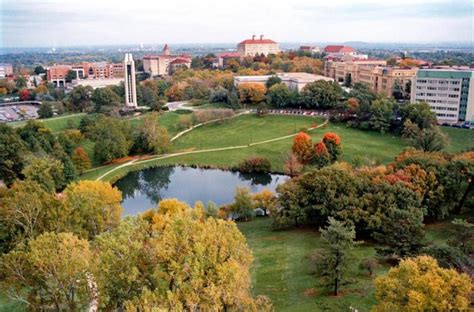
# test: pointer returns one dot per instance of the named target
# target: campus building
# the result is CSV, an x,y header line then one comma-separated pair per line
x,y
252,47
294,81
449,92
56,74
383,79
165,63
5,70
223,59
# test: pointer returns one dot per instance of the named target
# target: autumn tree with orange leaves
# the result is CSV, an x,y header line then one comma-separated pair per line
x,y
302,147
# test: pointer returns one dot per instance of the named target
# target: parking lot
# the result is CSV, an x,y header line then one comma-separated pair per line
x,y
18,112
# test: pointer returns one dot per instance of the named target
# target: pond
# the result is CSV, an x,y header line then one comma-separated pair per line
x,y
143,189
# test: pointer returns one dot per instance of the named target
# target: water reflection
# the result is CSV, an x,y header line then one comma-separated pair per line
x,y
144,189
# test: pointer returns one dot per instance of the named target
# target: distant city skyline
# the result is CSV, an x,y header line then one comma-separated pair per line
x,y
56,23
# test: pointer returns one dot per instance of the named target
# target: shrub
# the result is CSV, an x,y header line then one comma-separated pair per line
x,y
204,115
369,265
255,164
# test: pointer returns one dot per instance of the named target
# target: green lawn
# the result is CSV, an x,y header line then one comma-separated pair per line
x,y
281,269
459,139
56,124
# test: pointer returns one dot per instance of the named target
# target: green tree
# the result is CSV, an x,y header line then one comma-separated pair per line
x,y
382,115
26,210
71,75
243,206
12,151
273,80
279,95
430,139
45,110
152,138
49,273
20,82
321,94
46,171
39,70
115,137
333,261
79,99
419,114
104,98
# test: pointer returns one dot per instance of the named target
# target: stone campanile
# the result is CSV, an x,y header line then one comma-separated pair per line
x,y
130,83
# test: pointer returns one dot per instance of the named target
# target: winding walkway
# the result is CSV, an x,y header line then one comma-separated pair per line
x,y
138,161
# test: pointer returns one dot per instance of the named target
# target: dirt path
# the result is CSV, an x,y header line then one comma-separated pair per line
x,y
137,161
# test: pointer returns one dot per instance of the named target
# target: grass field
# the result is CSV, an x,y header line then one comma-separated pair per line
x,y
282,271
357,145
56,124
459,139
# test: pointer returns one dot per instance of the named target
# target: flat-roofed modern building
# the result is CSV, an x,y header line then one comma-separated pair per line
x,y
294,81
449,92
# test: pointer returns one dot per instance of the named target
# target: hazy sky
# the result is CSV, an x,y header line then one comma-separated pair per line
x,y
91,22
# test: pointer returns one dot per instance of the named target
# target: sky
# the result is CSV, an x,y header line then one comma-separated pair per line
x,y
55,23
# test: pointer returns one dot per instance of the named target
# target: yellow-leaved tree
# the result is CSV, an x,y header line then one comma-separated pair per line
x,y
419,284
175,258
92,207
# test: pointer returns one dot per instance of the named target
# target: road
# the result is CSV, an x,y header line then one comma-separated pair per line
x,y
178,105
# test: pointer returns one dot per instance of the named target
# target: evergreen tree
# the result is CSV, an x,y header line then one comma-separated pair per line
x,y
332,262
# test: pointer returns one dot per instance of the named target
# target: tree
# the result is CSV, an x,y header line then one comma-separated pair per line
x,y
12,151
81,159
219,95
333,261
151,137
179,259
321,157
279,95
46,171
419,284
462,235
79,99
430,139
419,113
333,145
93,207
39,70
104,98
45,110
382,115
115,137
292,166
302,147
26,210
265,200
321,94
243,206
25,95
273,80
71,75
251,92
49,273
20,82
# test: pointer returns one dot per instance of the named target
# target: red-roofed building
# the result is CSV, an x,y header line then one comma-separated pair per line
x,y
339,51
252,47
224,58
165,63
